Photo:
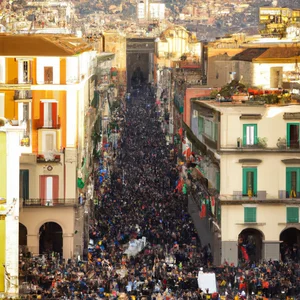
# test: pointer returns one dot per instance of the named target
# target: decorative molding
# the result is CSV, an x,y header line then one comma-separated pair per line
x,y
291,116
250,117
291,161
250,161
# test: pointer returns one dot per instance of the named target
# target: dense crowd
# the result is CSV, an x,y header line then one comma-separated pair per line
x,y
142,201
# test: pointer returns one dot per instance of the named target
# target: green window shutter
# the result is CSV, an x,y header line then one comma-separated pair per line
x,y
244,134
249,181
250,214
24,184
216,132
293,182
200,125
246,128
292,214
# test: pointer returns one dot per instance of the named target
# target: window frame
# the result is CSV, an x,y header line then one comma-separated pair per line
x,y
245,126
288,133
244,187
47,121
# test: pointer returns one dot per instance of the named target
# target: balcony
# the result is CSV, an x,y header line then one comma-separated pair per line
x,y
282,145
23,95
38,202
237,198
49,157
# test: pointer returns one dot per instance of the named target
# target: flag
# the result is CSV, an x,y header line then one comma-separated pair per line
x,y
244,253
179,185
203,210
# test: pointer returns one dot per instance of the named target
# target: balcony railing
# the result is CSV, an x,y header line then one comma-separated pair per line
x,y
22,95
261,196
48,157
38,202
281,145
28,81
238,196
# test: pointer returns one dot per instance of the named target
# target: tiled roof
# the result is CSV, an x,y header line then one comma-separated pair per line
x,y
281,52
249,54
41,45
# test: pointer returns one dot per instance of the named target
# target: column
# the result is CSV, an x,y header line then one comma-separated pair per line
x,y
271,250
68,245
34,242
230,252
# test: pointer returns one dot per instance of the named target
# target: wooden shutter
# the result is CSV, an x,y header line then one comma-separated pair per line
x,y
250,214
54,114
43,187
55,187
41,114
292,214
48,75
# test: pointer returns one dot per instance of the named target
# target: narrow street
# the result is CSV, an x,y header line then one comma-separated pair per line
x,y
143,204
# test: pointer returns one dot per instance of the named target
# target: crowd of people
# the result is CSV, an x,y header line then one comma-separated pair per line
x,y
142,202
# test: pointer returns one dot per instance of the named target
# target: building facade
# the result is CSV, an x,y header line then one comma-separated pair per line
x,y
259,175
48,86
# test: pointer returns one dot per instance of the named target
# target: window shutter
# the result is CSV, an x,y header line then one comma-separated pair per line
x,y
54,114
292,214
250,214
42,114
244,134
55,187
43,187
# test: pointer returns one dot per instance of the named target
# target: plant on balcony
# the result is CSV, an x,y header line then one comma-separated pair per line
x,y
281,143
232,88
262,142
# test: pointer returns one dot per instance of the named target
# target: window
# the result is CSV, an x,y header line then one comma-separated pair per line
x,y
24,71
24,113
293,135
48,113
250,214
48,189
292,214
249,182
249,134
48,75
24,184
293,182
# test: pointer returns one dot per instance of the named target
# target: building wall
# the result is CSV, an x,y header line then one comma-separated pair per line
x,y
192,93
270,227
271,173
39,169
34,218
262,74
272,117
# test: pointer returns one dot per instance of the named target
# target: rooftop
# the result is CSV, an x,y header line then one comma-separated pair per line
x,y
41,45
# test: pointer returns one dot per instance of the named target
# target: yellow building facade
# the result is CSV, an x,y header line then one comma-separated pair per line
x,y
47,86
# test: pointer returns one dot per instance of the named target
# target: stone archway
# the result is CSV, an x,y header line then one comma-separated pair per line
x,y
250,243
22,237
290,244
51,238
